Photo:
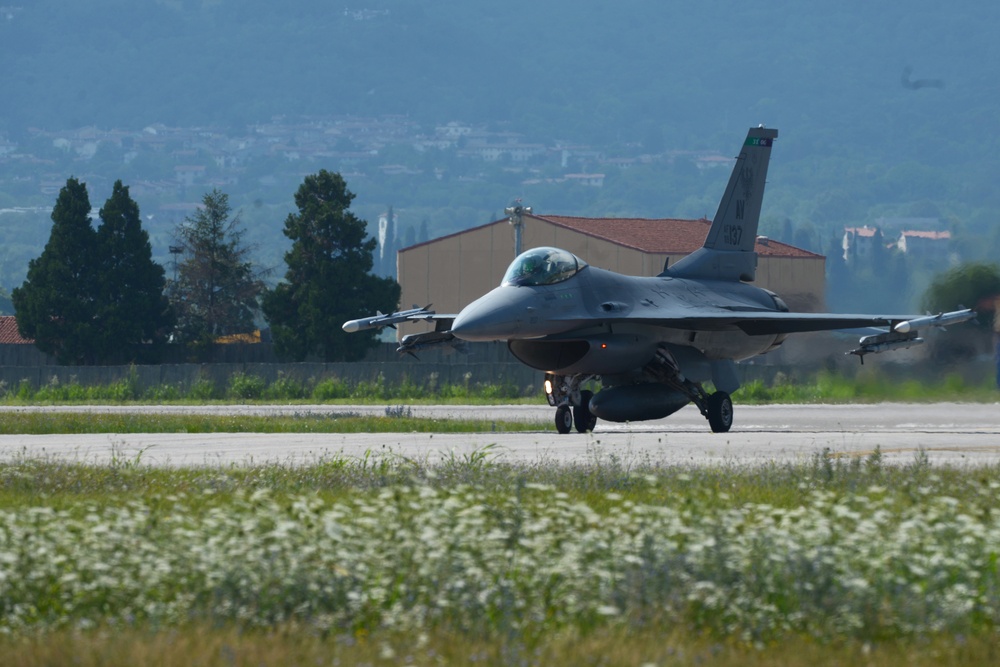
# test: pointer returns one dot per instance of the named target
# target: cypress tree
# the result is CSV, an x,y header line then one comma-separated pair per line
x,y
57,303
329,278
134,315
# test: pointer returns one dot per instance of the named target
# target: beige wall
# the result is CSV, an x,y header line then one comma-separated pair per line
x,y
800,281
453,271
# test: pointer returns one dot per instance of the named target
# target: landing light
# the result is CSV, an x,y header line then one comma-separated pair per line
x,y
548,387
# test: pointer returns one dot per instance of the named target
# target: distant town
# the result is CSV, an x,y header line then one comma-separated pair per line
x,y
211,157
438,179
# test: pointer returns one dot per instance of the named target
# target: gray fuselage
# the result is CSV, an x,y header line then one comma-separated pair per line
x,y
602,323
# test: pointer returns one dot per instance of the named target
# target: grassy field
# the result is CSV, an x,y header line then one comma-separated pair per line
x,y
396,420
611,561
823,387
385,560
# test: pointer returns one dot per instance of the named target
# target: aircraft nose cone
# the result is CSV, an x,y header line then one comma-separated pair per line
x,y
480,321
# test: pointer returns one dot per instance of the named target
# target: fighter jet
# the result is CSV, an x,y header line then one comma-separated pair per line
x,y
650,342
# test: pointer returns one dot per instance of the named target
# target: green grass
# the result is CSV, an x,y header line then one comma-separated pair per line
x,y
866,385
246,387
635,478
611,561
395,421
659,644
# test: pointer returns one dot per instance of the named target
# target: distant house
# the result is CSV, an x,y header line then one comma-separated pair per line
x,y
453,130
491,152
925,245
17,351
859,241
189,175
9,335
591,180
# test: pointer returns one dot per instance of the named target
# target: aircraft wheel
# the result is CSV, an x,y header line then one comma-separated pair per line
x,y
720,412
564,419
583,418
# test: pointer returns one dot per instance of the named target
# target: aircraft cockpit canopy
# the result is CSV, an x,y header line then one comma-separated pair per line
x,y
542,266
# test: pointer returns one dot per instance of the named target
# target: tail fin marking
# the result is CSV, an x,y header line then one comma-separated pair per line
x,y
728,252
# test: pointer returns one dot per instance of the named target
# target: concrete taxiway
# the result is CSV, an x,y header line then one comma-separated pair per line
x,y
945,433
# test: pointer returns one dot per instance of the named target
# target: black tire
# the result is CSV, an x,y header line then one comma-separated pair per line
x,y
720,412
564,419
583,418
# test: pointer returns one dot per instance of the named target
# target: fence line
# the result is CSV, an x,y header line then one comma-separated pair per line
x,y
489,365
184,376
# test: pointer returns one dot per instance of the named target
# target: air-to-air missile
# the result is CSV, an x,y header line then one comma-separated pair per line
x,y
938,320
380,320
904,334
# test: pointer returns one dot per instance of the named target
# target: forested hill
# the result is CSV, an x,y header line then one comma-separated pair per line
x,y
688,72
884,108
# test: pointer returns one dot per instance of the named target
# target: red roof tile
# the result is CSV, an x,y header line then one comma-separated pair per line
x,y
9,334
668,236
663,236
934,236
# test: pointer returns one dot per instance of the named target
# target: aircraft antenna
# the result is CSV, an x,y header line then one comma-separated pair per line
x,y
514,214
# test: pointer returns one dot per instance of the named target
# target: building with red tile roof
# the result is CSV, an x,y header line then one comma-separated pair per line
x,y
453,270
925,245
9,335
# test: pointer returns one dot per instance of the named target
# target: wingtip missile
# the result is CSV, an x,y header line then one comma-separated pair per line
x,y
939,320
379,320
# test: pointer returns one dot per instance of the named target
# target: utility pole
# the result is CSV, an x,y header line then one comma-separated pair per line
x,y
174,251
514,214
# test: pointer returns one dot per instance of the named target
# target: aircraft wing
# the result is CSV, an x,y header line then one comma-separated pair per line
x,y
894,331
409,344
763,322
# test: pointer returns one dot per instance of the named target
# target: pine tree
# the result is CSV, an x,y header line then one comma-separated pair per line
x,y
217,288
329,279
134,316
57,304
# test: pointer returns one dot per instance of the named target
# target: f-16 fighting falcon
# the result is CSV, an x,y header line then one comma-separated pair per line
x,y
651,342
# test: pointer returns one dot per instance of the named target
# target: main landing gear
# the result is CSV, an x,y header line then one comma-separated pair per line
x,y
717,407
572,404
719,412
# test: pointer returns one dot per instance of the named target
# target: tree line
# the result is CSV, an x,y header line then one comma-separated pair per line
x,y
95,295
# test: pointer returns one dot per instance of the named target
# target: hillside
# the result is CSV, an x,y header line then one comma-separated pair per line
x,y
884,109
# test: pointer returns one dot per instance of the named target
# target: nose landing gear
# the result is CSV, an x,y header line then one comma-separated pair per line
x,y
572,405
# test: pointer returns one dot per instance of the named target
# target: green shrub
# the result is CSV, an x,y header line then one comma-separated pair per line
x,y
495,391
163,392
25,391
203,390
57,391
754,391
329,389
285,388
126,389
376,389
245,386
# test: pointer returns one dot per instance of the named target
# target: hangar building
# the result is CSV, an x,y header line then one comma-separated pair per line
x,y
451,271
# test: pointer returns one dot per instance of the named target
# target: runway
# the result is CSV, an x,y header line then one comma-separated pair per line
x,y
946,433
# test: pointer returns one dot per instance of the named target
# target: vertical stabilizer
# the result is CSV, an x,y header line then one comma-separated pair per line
x,y
728,253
